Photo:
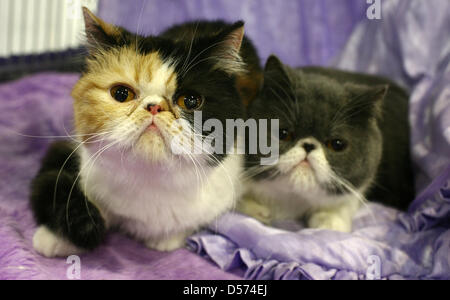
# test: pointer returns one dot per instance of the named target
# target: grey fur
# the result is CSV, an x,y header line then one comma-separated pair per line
x,y
370,113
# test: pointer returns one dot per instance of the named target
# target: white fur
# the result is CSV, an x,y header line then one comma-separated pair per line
x,y
49,244
296,192
159,203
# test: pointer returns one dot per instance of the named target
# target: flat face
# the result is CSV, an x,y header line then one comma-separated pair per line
x,y
140,93
329,142
137,81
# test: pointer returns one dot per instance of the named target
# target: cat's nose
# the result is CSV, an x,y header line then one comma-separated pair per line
x,y
309,147
154,108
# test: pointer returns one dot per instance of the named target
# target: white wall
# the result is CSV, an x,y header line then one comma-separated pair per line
x,y
37,26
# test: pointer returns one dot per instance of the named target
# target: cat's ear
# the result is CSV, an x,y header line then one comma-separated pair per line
x,y
273,63
276,78
227,49
366,102
99,34
275,71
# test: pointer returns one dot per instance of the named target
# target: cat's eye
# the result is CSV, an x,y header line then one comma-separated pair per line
x,y
337,145
190,101
122,93
285,135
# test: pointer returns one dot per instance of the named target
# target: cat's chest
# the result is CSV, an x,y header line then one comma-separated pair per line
x,y
284,202
275,195
150,201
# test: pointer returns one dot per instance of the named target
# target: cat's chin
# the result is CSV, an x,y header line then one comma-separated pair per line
x,y
302,178
152,147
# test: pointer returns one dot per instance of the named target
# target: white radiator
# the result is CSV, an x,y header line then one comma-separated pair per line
x,y
37,26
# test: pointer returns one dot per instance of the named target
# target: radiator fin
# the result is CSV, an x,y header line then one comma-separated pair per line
x,y
37,26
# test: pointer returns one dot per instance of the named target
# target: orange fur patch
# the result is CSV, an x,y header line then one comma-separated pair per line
x,y
94,108
249,85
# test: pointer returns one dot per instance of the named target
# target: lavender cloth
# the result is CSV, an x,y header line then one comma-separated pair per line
x,y
411,45
40,106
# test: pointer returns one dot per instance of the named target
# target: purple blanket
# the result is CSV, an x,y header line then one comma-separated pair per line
x,y
33,112
413,48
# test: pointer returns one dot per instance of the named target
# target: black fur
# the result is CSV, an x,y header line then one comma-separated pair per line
x,y
197,43
74,217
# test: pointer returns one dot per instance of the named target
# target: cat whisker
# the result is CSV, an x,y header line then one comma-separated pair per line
x,y
96,155
252,172
67,160
283,101
71,136
192,65
139,24
341,182
342,115
211,156
197,63
186,61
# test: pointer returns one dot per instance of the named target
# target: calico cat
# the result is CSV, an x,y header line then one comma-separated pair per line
x,y
136,94
343,137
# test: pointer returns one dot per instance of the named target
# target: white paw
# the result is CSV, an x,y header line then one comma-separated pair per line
x,y
169,244
330,221
255,210
49,244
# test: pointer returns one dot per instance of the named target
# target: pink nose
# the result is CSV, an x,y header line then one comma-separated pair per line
x,y
154,109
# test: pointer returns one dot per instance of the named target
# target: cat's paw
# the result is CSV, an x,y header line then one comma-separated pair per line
x,y
330,221
255,210
48,244
168,244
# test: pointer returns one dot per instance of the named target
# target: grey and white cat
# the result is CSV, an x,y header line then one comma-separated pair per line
x,y
343,137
